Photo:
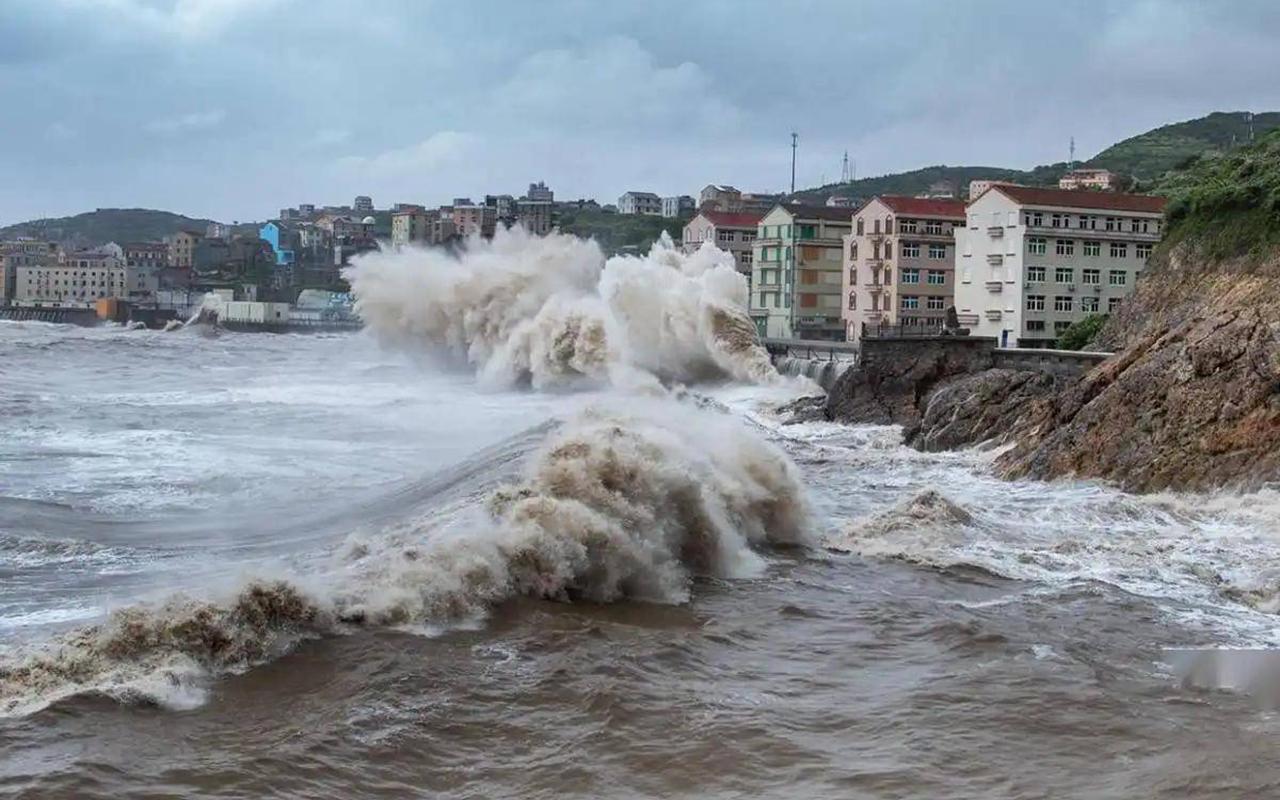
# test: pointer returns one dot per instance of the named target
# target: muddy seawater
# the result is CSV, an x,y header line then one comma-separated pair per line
x,y
279,566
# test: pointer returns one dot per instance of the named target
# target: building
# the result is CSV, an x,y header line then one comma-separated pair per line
x,y
145,254
899,263
182,248
1032,261
22,253
306,210
1099,179
503,205
640,203
734,232
539,191
676,207
534,215
980,185
840,201
76,280
719,197
470,219
796,267
940,190
410,225
283,240
217,230
363,204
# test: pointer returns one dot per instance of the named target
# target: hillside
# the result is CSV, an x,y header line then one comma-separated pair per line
x,y
106,225
619,232
1147,157
1192,398
1150,155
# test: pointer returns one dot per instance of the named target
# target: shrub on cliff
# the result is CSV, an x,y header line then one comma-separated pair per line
x,y
1228,205
1081,333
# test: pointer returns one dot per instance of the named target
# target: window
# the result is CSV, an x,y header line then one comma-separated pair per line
x,y
1034,218
910,250
1119,249
1092,276
1037,246
1112,304
1035,325
853,301
933,228
888,249
910,302
1063,303
1035,302
911,276
1086,222
748,236
1112,224
860,231
937,252
1117,277
724,236
1059,221
907,226
935,277
935,303
1065,247
1139,225
876,226
1035,274
853,276
1064,275
1142,251
1089,304
1060,326
1093,248
808,231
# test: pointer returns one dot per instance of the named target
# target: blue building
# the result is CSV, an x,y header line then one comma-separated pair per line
x,y
273,233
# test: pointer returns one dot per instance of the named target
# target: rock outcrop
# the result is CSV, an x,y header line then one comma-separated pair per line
x,y
1191,402
995,406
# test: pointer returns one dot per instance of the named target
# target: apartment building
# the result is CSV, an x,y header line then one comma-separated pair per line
x,y
899,263
410,225
677,206
534,215
471,219
733,232
1100,179
78,280
1032,261
719,197
796,272
182,248
640,203
20,253
363,204
540,191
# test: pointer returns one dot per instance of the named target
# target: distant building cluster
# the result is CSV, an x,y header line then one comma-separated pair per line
x,y
413,224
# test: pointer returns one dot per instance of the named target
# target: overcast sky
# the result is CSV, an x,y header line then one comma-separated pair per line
x,y
233,108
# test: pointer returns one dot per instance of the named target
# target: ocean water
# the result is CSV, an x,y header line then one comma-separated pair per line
x,y
246,565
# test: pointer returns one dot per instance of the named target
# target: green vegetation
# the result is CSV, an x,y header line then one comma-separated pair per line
x,y
1228,204
1150,155
1081,333
917,182
106,225
620,233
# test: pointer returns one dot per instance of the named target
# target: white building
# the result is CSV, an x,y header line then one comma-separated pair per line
x,y
1032,261
640,203
1100,179
79,280
678,206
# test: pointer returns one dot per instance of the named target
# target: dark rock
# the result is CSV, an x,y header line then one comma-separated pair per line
x,y
995,406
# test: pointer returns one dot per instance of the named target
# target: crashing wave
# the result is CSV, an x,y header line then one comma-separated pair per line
x,y
629,502
551,311
915,530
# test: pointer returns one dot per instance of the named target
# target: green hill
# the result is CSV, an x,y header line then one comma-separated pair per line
x,y
106,225
1150,155
619,232
1145,157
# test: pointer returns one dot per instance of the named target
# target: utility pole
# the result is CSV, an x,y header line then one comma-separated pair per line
x,y
1071,160
794,138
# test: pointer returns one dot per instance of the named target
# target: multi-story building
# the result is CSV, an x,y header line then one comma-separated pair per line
x,y
217,230
283,239
534,215
1101,179
409,225
363,204
539,191
676,207
1032,261
795,275
640,203
719,197
145,254
21,253
78,280
182,248
306,209
503,205
470,219
899,263
734,232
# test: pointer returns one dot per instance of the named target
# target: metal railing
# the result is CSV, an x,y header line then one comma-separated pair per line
x,y
899,330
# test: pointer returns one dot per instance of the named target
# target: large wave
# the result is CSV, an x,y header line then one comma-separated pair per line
x,y
552,311
626,502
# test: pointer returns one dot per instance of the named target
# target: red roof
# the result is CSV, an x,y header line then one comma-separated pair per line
x,y
739,219
924,206
1077,198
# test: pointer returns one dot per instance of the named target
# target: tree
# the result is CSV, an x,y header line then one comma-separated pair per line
x,y
1082,332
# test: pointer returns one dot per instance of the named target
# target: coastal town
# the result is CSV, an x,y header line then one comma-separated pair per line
x,y
1018,263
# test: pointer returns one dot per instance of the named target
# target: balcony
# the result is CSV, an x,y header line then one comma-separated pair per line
x,y
1092,233
994,314
995,259
996,231
995,286
967,319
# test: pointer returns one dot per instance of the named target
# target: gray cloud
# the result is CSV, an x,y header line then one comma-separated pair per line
x,y
233,108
